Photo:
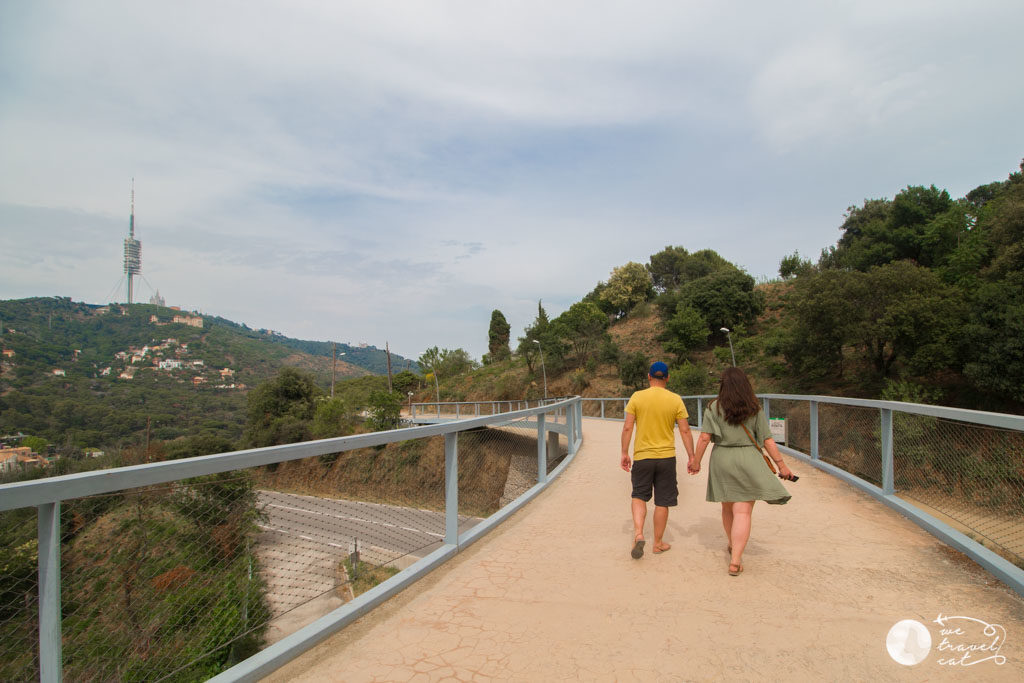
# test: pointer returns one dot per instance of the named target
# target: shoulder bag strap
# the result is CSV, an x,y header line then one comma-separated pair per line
x,y
767,460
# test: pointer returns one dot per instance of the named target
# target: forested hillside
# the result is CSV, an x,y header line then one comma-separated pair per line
x,y
84,376
921,299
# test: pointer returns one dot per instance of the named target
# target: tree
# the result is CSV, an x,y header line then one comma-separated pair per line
x,y
527,349
667,268
818,312
684,332
907,315
793,265
333,417
582,327
281,409
446,362
725,298
497,338
633,370
627,286
385,408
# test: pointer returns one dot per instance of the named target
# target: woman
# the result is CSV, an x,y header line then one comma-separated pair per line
x,y
738,474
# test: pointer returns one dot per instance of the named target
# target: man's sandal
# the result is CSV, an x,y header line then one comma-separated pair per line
x,y
735,569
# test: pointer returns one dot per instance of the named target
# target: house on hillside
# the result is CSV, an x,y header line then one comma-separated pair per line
x,y
197,380
169,364
227,372
8,353
192,321
57,372
22,456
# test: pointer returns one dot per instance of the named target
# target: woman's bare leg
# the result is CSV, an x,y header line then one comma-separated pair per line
x,y
741,514
727,522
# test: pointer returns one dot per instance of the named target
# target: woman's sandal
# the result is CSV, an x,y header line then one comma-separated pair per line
x,y
735,569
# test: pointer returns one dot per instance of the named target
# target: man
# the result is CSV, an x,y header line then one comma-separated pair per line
x,y
654,411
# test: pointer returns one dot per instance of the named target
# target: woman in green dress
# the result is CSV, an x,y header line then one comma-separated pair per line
x,y
738,474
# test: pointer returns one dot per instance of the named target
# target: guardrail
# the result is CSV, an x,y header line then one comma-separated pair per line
x,y
957,473
132,562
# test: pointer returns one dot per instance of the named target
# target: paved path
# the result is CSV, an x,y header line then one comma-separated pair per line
x,y
552,594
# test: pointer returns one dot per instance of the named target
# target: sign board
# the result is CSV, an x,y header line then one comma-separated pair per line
x,y
778,427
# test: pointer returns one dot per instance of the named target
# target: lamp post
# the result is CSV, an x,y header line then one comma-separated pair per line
x,y
437,389
542,367
729,337
334,364
410,404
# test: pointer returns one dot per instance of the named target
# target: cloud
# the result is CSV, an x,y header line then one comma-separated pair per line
x,y
347,170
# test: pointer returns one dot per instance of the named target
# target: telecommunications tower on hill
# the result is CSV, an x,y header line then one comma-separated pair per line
x,y
132,249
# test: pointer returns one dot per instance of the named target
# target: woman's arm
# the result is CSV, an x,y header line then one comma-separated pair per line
x,y
693,467
773,453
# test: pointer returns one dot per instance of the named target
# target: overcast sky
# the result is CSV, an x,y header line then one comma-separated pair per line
x,y
394,171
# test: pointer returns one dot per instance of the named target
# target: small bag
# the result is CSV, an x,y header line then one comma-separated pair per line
x,y
767,460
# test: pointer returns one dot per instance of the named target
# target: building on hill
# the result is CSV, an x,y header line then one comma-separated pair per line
x,y
157,300
8,353
22,456
57,372
193,321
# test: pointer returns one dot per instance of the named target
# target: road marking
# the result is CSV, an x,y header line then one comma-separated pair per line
x,y
349,518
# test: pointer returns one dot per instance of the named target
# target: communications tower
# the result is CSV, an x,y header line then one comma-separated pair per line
x,y
132,249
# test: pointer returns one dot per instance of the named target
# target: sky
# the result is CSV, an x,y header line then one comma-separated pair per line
x,y
392,172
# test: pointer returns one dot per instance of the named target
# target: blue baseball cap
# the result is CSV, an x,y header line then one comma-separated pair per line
x,y
658,370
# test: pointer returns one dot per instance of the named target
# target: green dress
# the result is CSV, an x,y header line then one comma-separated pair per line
x,y
737,471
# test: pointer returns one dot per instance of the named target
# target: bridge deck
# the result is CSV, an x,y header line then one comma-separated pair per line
x,y
554,594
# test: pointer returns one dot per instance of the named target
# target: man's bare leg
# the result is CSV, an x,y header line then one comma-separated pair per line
x,y
639,517
660,522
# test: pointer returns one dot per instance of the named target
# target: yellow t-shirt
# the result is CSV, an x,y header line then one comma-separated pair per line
x,y
656,411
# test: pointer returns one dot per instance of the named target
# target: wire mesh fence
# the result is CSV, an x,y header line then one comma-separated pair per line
x,y
797,416
178,581
162,582
19,595
849,437
972,475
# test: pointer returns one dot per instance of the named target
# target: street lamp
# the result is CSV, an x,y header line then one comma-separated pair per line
x,y
542,367
437,389
334,364
410,405
729,336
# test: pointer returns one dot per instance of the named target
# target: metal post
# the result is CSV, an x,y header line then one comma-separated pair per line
x,y
458,410
887,468
451,488
814,430
542,453
767,411
700,412
49,593
602,408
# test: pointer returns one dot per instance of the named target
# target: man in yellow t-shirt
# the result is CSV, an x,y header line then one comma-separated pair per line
x,y
655,412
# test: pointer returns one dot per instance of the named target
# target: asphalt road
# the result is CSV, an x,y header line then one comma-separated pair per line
x,y
305,538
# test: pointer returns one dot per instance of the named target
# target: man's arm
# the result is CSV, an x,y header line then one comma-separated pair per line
x,y
686,436
627,436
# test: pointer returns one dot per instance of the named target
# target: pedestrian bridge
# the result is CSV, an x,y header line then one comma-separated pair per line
x,y
538,585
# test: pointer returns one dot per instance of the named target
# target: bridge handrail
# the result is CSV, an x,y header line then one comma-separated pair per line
x,y
46,495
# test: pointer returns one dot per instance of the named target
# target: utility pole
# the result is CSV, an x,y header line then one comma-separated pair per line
x,y
334,365
387,350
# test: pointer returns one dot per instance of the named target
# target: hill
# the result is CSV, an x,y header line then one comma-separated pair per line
x,y
91,376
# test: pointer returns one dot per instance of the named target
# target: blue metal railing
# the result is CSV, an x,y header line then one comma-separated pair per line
x,y
46,495
965,465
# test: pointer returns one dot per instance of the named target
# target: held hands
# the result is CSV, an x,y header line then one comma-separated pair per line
x,y
693,466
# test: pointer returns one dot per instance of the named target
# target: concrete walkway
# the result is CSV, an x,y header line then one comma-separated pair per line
x,y
553,594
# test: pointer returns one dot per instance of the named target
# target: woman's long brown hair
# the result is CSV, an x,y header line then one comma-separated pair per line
x,y
736,399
